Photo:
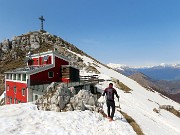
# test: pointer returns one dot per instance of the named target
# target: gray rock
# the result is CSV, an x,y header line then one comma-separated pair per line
x,y
5,45
84,100
35,45
59,97
55,99
51,87
69,107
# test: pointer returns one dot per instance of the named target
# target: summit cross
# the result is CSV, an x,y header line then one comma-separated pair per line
x,y
42,19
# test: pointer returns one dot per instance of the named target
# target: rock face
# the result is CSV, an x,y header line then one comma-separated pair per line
x,y
60,98
55,99
84,100
6,45
33,41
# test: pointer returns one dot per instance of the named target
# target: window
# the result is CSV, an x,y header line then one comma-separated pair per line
x,y
19,77
15,101
36,97
7,88
10,100
45,58
14,76
23,91
10,76
15,90
24,77
7,76
50,74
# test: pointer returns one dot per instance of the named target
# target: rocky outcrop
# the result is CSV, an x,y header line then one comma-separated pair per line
x,y
40,41
55,99
156,110
84,100
6,45
60,98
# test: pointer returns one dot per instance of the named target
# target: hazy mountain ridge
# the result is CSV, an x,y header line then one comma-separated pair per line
x,y
164,87
119,66
169,72
164,78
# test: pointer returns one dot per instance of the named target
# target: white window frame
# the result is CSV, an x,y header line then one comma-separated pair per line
x,y
23,91
7,88
15,89
23,77
15,101
10,101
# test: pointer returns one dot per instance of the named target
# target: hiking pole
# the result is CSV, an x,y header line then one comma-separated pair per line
x,y
120,108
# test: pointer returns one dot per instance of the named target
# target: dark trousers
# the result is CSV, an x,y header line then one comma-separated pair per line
x,y
112,105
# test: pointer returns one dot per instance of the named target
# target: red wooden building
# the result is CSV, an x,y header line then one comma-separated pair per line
x,y
26,84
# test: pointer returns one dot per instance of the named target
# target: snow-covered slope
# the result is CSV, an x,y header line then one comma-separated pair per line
x,y
140,104
116,66
25,119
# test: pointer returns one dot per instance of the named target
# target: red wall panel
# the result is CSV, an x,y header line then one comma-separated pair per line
x,y
42,77
18,95
39,61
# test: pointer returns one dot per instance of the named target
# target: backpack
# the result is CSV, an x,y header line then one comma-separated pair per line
x,y
110,94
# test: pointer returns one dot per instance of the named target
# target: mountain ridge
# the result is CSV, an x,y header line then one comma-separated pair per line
x,y
159,86
169,72
121,66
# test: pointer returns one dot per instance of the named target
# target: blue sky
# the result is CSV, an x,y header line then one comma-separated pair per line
x,y
131,32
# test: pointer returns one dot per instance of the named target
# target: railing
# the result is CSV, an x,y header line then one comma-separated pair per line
x,y
29,68
39,85
89,79
84,80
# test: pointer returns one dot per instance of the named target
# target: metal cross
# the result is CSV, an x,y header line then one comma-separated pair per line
x,y
42,19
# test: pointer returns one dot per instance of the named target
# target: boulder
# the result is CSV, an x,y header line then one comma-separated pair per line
x,y
55,99
51,87
84,100
60,98
6,45
35,45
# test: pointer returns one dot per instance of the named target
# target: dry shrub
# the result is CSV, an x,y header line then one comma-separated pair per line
x,y
121,86
171,109
133,123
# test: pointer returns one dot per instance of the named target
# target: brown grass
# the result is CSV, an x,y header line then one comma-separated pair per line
x,y
121,86
174,111
92,69
133,123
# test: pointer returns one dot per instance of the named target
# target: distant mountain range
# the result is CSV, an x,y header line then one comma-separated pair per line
x,y
169,72
163,78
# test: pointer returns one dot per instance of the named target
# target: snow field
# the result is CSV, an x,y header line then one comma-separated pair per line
x,y
140,104
25,119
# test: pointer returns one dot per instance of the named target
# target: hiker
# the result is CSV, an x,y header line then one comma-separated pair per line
x,y
110,91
